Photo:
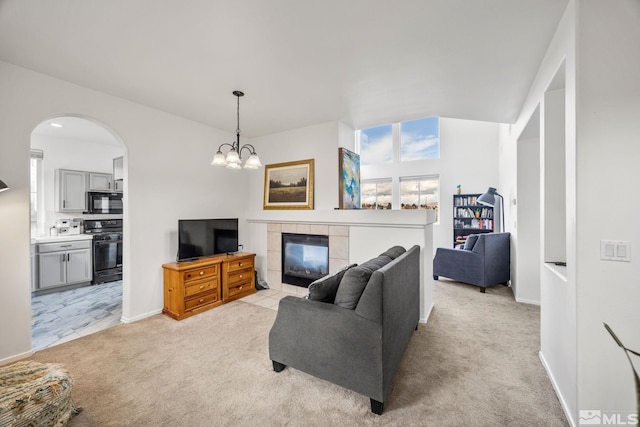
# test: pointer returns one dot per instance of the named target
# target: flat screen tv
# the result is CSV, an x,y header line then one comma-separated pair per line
x,y
199,238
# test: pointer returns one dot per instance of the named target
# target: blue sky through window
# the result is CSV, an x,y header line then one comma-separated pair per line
x,y
376,145
420,139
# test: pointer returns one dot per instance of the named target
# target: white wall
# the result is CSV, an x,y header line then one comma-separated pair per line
x,y
555,192
318,142
526,235
608,175
167,177
558,323
469,157
596,43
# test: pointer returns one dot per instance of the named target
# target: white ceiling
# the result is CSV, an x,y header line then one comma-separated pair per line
x,y
299,62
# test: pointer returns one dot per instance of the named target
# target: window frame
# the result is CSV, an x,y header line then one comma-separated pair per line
x,y
420,192
376,181
398,169
36,215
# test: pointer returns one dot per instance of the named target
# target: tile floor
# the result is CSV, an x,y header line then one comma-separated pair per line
x,y
64,316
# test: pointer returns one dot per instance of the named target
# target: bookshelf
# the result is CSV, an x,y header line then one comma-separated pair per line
x,y
470,217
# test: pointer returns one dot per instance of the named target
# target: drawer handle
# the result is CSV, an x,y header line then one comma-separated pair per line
x,y
201,286
201,273
241,276
240,288
239,264
201,299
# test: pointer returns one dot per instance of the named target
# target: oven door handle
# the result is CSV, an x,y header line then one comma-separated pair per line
x,y
106,242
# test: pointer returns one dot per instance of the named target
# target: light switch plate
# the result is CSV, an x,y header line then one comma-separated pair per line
x,y
615,250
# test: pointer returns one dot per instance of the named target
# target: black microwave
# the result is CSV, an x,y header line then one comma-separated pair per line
x,y
104,203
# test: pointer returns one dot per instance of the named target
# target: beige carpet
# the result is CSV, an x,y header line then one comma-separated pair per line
x,y
474,364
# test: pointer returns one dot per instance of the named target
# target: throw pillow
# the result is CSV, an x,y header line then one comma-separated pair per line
x,y
355,281
394,252
324,289
470,242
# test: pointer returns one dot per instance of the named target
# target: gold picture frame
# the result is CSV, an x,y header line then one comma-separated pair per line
x,y
289,185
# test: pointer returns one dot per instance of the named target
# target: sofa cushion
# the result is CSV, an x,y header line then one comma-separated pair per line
x,y
394,252
324,289
470,242
355,280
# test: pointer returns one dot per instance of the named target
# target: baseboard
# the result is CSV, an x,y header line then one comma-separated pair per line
x,y
426,318
527,301
15,358
140,317
563,402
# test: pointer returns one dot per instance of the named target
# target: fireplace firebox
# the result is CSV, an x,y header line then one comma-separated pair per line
x,y
305,258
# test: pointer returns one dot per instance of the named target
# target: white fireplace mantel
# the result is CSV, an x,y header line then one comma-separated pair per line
x,y
360,234
418,218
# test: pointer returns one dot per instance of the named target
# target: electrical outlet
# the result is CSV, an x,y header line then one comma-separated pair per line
x,y
615,250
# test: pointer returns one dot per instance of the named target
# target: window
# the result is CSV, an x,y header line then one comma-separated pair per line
x,y
376,145
36,191
376,194
420,193
400,165
420,139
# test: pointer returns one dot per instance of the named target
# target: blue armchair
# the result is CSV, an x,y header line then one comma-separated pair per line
x,y
484,261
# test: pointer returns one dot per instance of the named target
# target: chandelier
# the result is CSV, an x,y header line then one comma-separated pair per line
x,y
233,159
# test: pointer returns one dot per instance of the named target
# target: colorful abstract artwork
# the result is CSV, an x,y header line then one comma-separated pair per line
x,y
349,164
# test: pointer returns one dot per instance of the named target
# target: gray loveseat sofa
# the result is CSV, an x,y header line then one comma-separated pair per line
x,y
484,261
356,338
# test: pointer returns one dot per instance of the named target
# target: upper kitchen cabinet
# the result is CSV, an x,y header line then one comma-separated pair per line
x,y
100,182
118,174
118,168
70,190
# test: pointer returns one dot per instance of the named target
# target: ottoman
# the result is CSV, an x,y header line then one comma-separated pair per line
x,y
35,394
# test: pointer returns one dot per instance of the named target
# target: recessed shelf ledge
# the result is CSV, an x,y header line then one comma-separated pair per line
x,y
558,270
418,218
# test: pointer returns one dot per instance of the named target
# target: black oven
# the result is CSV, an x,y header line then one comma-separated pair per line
x,y
104,203
107,249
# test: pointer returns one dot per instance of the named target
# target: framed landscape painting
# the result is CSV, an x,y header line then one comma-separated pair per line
x,y
289,185
349,164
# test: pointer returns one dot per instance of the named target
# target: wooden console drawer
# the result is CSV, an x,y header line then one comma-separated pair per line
x,y
237,277
240,288
200,273
194,288
240,276
240,264
200,301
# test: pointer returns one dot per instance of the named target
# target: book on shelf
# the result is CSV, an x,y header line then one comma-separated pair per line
x,y
466,200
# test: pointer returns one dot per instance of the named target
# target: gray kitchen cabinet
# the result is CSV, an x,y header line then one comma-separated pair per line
x,y
118,168
100,181
118,174
64,263
70,190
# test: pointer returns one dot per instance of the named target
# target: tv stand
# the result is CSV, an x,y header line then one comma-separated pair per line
x,y
194,286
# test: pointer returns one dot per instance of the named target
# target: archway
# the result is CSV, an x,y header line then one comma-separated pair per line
x,y
68,304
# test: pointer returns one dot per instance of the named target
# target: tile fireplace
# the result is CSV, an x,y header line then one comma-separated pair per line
x,y
305,258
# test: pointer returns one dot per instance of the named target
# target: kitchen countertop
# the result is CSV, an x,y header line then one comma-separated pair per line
x,y
64,238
